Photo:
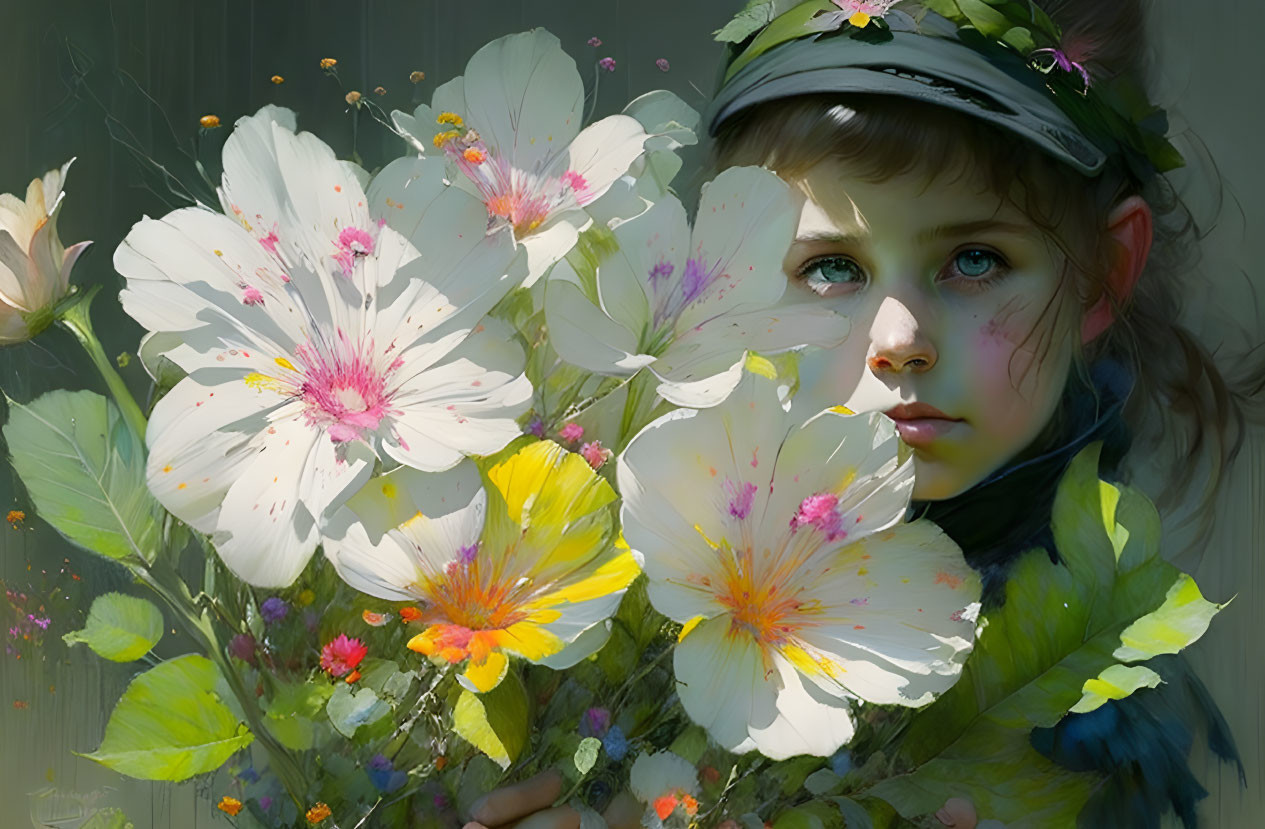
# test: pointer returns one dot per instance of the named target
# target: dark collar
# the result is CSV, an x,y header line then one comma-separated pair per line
x,y
1009,511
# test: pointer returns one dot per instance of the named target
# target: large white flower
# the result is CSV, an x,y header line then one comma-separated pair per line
x,y
320,326
34,266
511,127
689,304
530,566
781,548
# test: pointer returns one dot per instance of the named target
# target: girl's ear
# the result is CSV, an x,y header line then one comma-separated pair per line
x,y
1130,226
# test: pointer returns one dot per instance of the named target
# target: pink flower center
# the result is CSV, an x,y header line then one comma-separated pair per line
x,y
346,394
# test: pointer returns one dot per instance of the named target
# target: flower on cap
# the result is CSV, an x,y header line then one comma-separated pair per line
x,y
779,543
686,303
522,101
309,355
861,12
341,655
34,267
528,566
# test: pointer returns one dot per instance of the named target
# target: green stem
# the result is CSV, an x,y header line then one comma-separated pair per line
x,y
199,626
76,319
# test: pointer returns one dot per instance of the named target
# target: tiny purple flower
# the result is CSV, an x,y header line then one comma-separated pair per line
x,y
595,42
265,803
274,609
242,646
663,64
607,63
380,762
595,722
536,427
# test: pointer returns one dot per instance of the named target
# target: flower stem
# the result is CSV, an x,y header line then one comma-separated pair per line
x,y
75,318
198,625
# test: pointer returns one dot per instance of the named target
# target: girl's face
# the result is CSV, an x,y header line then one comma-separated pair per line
x,y
954,302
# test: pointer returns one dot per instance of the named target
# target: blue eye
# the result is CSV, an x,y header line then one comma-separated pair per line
x,y
823,273
977,263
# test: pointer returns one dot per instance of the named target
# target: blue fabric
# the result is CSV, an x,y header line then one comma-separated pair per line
x,y
1139,744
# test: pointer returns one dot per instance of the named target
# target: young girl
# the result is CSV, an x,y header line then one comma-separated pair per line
x,y
1010,272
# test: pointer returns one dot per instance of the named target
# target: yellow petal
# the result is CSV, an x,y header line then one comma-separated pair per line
x,y
860,20
689,626
529,641
486,676
615,574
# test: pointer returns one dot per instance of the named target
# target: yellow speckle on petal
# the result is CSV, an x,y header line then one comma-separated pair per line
x,y
688,627
182,485
284,363
389,490
698,529
167,468
841,410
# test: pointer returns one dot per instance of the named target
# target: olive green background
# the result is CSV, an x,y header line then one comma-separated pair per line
x,y
110,81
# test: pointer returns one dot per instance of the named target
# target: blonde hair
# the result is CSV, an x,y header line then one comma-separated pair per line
x,y
880,137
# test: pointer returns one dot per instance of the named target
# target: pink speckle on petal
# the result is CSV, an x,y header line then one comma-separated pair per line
x,y
819,511
270,242
252,296
741,498
352,243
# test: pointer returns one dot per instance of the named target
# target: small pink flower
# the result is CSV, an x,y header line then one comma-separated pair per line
x,y
663,64
607,63
596,454
342,655
595,42
571,432
252,296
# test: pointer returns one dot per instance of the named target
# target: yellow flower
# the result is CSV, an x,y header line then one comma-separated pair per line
x,y
229,805
277,79
449,118
318,813
328,63
353,97
34,267
444,137
306,597
209,122
528,566
379,90
16,516
416,76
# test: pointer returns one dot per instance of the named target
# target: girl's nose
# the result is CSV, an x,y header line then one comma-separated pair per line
x,y
897,341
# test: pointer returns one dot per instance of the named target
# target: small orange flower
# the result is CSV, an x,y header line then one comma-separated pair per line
x,y
16,516
277,79
691,805
410,614
209,122
229,805
328,63
379,90
353,97
318,813
416,76
352,677
665,806
441,763
475,156
21,705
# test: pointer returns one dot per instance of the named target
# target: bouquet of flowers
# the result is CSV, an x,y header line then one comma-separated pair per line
x,y
541,428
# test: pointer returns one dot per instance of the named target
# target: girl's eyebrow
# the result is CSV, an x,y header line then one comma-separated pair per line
x,y
928,235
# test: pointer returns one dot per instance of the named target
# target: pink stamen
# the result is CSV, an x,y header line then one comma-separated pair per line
x,y
345,393
252,296
353,243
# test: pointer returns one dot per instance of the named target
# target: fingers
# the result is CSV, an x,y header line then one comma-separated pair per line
x,y
624,812
510,803
959,813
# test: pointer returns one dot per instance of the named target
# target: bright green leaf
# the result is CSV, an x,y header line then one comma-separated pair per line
x,y
690,744
1116,682
586,755
291,713
1070,618
170,724
85,472
1021,39
784,28
1183,618
120,628
494,722
984,17
348,709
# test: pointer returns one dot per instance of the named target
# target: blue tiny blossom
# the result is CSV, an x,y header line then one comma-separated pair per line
x,y
841,762
615,743
383,776
274,609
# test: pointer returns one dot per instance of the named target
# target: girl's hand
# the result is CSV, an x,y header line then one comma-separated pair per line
x,y
529,805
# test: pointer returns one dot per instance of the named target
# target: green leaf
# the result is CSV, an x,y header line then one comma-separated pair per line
x,y
586,755
1056,637
108,819
292,712
348,709
171,725
690,744
984,17
1020,38
1183,618
1116,682
786,27
494,722
120,628
754,15
85,471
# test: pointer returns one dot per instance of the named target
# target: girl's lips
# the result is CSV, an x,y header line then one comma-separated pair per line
x,y
923,431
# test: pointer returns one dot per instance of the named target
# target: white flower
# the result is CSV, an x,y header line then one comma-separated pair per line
x,y
511,128
664,781
780,548
529,566
34,266
320,327
689,304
